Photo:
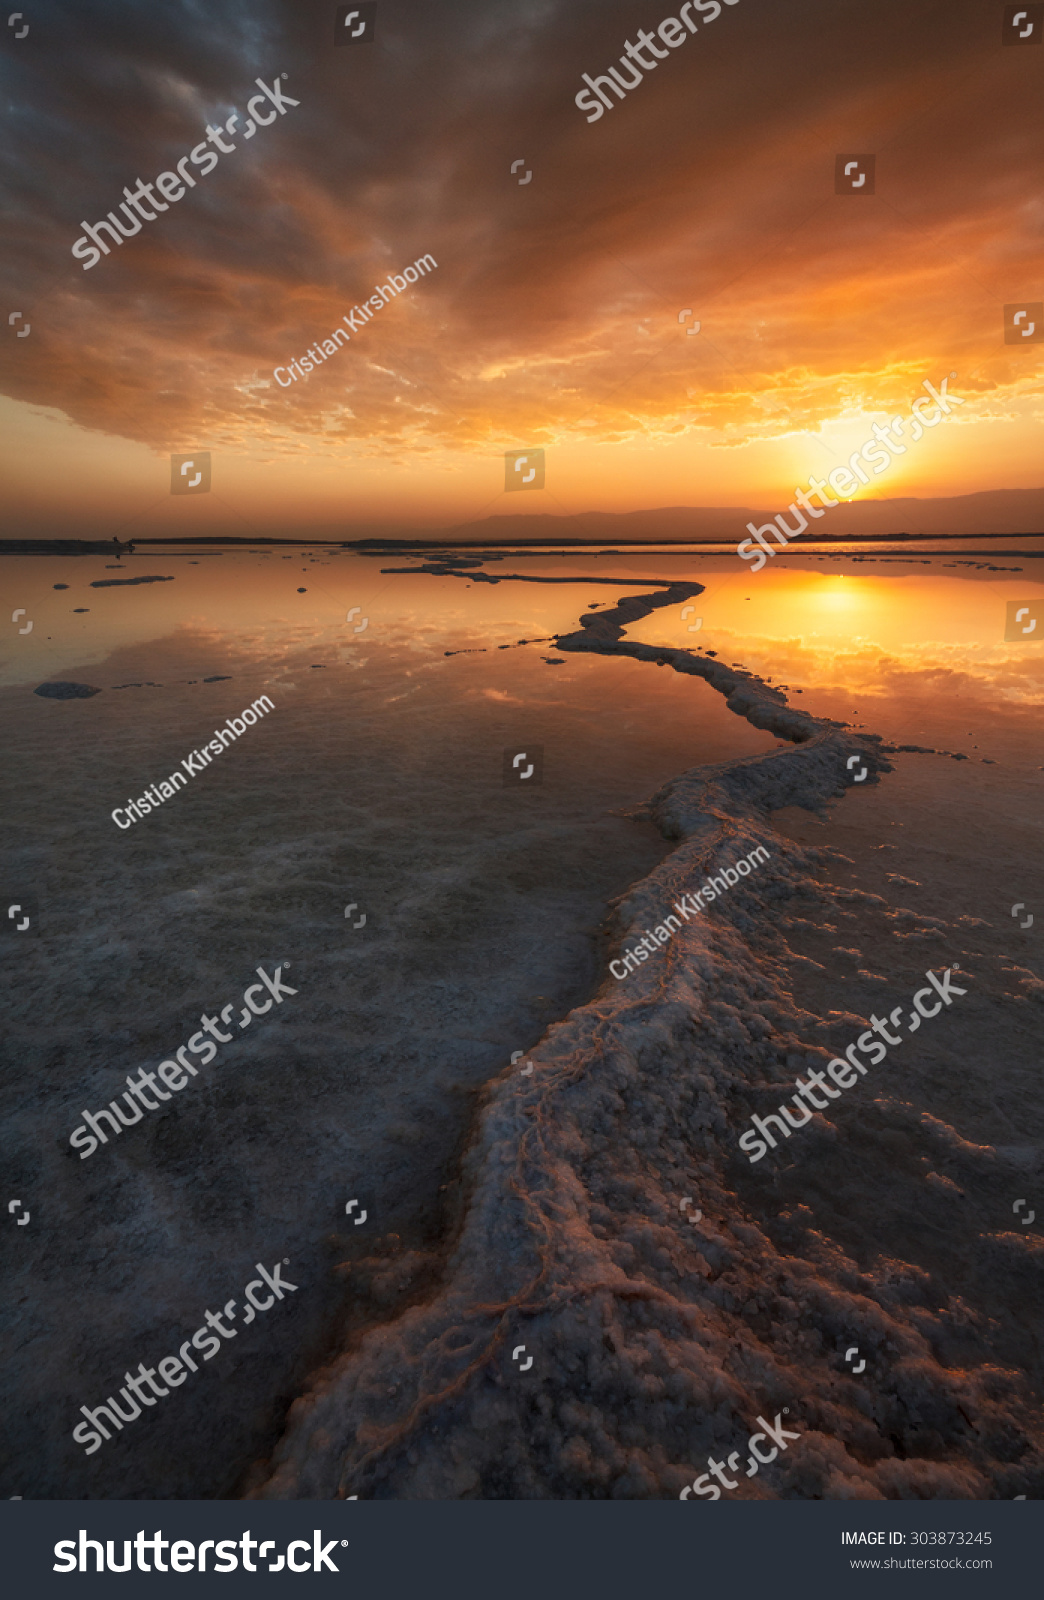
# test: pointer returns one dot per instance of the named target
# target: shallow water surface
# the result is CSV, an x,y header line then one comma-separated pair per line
x,y
381,781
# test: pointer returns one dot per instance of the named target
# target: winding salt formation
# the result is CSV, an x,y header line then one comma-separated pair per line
x,y
667,1293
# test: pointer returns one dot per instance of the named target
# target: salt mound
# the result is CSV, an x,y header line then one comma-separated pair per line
x,y
66,691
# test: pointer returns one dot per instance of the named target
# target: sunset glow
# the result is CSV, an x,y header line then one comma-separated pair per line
x,y
553,318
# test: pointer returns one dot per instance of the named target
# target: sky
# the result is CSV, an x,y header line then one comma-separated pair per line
x,y
554,318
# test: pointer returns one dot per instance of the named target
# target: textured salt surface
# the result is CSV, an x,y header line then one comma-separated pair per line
x,y
890,1227
657,1340
379,782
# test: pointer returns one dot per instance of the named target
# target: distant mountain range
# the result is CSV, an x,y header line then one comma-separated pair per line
x,y
993,511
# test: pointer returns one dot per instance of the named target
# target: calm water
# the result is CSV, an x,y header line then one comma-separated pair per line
x,y
377,782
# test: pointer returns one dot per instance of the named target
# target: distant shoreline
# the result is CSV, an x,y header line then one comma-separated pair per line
x,y
91,547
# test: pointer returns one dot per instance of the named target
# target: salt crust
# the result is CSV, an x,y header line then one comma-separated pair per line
x,y
656,1339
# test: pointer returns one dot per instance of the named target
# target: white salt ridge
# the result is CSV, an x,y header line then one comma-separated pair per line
x,y
656,1340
